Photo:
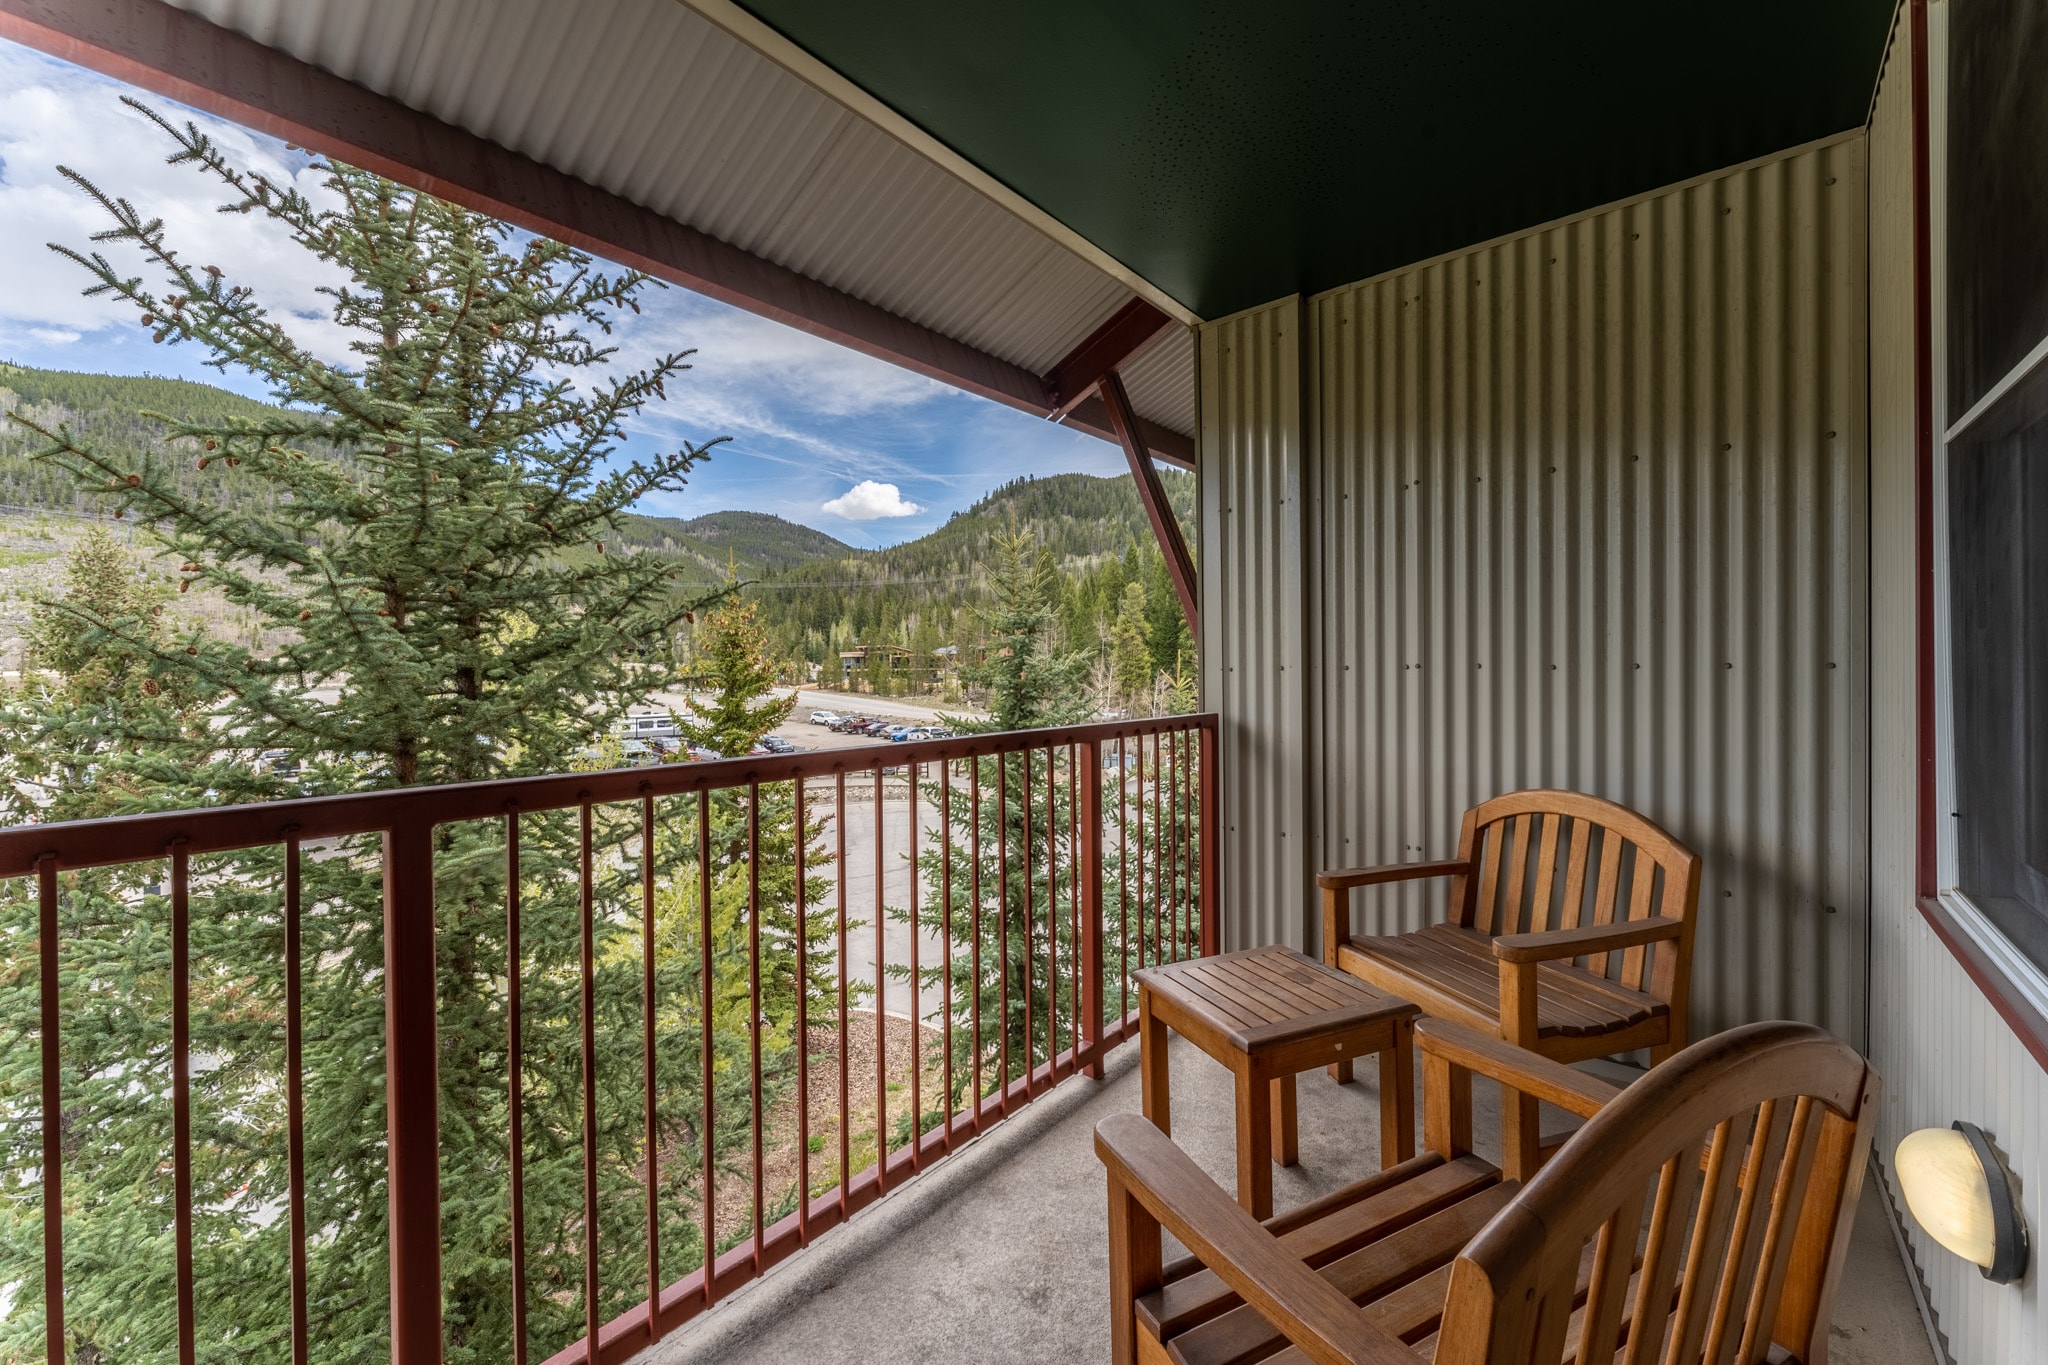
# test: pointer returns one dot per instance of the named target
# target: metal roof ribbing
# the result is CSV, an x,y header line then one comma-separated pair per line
x,y
651,101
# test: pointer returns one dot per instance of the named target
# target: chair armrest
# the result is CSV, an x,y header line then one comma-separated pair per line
x,y
1342,878
1310,1311
1553,1082
1553,944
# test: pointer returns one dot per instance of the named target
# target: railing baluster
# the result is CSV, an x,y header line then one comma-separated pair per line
x,y
916,1020
587,905
515,1097
974,945
881,1007
649,1099
845,1111
1123,876
1003,933
1088,881
1052,924
1185,742
1074,899
946,943
295,1099
803,1032
181,1098
53,1109
1030,958
1139,804
412,1094
707,1028
1212,929
1162,834
754,1007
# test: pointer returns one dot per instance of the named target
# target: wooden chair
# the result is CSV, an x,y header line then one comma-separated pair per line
x,y
1543,880
1747,1152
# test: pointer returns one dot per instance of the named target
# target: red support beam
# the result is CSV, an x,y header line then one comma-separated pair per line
x,y
1180,566
181,56
1129,330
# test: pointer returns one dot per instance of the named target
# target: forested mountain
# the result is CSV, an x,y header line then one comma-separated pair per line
x,y
921,595
818,596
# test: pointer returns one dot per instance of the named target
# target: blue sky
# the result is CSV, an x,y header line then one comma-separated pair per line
x,y
820,434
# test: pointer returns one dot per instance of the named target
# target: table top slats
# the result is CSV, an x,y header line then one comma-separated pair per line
x,y
1307,992
1267,997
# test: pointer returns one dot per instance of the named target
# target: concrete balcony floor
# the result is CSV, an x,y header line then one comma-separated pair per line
x,y
999,1253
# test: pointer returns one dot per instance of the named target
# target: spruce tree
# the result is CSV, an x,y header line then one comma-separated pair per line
x,y
431,530
1130,654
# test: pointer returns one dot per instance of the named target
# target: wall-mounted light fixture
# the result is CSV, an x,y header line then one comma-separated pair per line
x,y
1959,1190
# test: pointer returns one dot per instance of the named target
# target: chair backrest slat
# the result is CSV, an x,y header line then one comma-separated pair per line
x,y
1639,908
1575,874
1489,878
1746,1150
1607,1294
1678,1183
1548,830
1788,1197
1508,918
1745,1240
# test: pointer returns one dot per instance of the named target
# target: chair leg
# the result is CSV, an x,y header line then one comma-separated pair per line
x,y
1135,1267
1397,1097
1521,1134
1286,1122
1254,1145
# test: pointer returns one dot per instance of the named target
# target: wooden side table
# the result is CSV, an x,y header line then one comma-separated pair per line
x,y
1268,1013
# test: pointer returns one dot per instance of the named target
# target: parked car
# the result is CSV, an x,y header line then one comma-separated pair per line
x,y
877,729
699,754
851,725
776,744
826,718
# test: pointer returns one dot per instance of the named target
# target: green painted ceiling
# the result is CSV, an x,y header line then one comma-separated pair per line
x,y
1233,153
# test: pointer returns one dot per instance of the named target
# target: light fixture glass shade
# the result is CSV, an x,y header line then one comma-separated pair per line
x,y
1947,1191
1960,1192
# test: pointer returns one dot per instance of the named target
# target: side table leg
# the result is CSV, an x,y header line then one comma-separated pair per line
x,y
1397,1096
1286,1122
1152,1085
1254,1145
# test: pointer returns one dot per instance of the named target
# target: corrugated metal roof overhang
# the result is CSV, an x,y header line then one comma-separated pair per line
x,y
654,103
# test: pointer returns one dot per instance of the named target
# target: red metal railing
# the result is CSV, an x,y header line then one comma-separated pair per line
x,y
1039,868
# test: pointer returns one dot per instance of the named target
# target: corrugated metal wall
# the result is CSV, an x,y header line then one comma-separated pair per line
x,y
1941,1047
1586,508
1253,562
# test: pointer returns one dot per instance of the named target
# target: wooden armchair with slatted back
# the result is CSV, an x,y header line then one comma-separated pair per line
x,y
1701,1215
1569,933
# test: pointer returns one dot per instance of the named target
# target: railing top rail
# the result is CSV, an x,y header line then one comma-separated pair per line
x,y
215,829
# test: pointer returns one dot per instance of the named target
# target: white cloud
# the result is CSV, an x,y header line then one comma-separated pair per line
x,y
53,114
870,501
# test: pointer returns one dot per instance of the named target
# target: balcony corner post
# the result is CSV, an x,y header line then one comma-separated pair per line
x,y
1088,856
412,1095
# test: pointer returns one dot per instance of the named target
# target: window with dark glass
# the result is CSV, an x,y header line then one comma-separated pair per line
x,y
1998,579
1998,460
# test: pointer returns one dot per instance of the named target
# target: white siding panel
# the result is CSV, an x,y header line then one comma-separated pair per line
x,y
1941,1047
1253,616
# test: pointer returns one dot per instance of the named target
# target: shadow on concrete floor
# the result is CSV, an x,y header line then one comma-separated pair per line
x,y
1000,1253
